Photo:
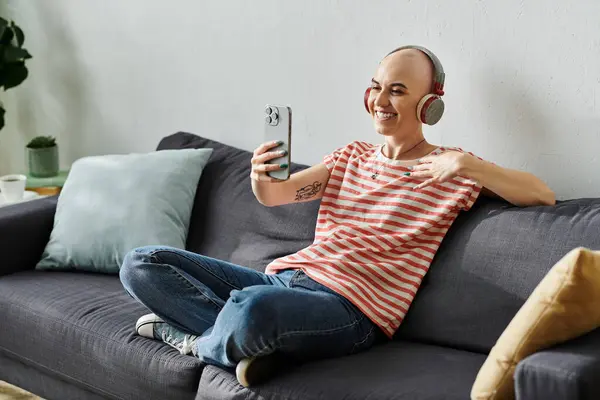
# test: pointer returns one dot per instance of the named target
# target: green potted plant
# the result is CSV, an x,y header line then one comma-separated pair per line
x,y
12,58
42,157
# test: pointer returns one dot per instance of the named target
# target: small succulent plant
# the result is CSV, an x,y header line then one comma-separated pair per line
x,y
42,142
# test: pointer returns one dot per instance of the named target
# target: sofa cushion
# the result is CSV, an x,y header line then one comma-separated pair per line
x,y
489,263
228,223
395,370
79,327
111,204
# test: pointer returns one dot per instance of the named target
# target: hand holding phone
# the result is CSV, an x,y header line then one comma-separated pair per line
x,y
261,156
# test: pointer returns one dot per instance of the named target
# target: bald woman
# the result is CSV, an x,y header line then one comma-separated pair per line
x,y
385,209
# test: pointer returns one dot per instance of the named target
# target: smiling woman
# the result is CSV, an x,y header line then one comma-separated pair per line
x,y
385,209
405,93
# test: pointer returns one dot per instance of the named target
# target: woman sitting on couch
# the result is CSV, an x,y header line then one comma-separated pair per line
x,y
384,211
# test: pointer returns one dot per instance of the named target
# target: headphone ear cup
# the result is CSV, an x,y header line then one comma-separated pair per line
x,y
430,109
367,94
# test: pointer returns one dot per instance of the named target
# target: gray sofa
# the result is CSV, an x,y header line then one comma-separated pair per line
x,y
69,335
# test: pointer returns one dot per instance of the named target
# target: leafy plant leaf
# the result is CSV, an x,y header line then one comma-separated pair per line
x,y
7,36
3,28
2,111
14,54
13,74
19,35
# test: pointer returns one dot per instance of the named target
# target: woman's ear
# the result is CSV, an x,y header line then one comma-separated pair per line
x,y
367,94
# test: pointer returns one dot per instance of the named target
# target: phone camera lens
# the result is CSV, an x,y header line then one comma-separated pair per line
x,y
268,119
268,110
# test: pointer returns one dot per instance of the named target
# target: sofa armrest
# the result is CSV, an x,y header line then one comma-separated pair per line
x,y
24,232
570,370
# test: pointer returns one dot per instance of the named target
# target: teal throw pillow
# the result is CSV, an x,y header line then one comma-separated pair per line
x,y
112,204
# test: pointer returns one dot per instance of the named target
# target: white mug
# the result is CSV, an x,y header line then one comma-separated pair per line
x,y
12,187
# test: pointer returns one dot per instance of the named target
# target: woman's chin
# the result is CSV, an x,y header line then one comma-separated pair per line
x,y
383,130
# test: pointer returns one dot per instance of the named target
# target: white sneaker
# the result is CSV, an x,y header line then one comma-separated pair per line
x,y
153,327
145,325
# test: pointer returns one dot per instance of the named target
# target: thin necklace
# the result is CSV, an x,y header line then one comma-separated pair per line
x,y
376,172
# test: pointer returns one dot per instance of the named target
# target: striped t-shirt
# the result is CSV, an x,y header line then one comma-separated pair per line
x,y
376,236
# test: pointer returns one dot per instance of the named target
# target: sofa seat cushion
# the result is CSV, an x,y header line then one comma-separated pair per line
x,y
395,370
80,327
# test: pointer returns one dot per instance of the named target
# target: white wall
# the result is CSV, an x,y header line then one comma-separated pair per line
x,y
114,76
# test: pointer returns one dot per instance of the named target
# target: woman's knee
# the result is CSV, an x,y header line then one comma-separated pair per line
x,y
257,303
250,321
130,272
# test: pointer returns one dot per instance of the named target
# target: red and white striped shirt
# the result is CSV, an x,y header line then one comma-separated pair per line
x,y
376,237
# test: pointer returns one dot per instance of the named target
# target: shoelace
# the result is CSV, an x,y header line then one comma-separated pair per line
x,y
185,347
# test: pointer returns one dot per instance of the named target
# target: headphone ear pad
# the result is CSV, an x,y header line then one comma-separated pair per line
x,y
367,94
430,109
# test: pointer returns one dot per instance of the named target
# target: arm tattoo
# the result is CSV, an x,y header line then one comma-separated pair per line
x,y
308,191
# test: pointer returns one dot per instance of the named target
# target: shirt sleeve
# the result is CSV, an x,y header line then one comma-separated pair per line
x,y
475,187
475,192
331,159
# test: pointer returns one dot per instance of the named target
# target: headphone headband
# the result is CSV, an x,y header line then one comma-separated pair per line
x,y
438,74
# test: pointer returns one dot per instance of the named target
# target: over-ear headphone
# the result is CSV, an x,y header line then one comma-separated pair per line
x,y
431,107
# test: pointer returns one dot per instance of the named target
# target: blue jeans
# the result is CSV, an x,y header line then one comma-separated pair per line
x,y
239,312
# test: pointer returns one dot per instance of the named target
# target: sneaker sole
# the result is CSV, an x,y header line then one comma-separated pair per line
x,y
241,371
253,371
141,326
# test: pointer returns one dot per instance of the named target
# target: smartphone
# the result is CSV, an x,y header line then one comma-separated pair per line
x,y
278,127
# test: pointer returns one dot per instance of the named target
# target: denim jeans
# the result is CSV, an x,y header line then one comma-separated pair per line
x,y
239,312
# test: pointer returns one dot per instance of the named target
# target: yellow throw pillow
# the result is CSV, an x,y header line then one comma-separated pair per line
x,y
564,305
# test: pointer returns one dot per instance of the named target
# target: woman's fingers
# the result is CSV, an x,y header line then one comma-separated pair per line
x,y
263,158
262,177
426,183
263,148
268,167
259,162
420,167
424,173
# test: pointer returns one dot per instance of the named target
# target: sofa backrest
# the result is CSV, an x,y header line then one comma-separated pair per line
x,y
227,221
489,263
